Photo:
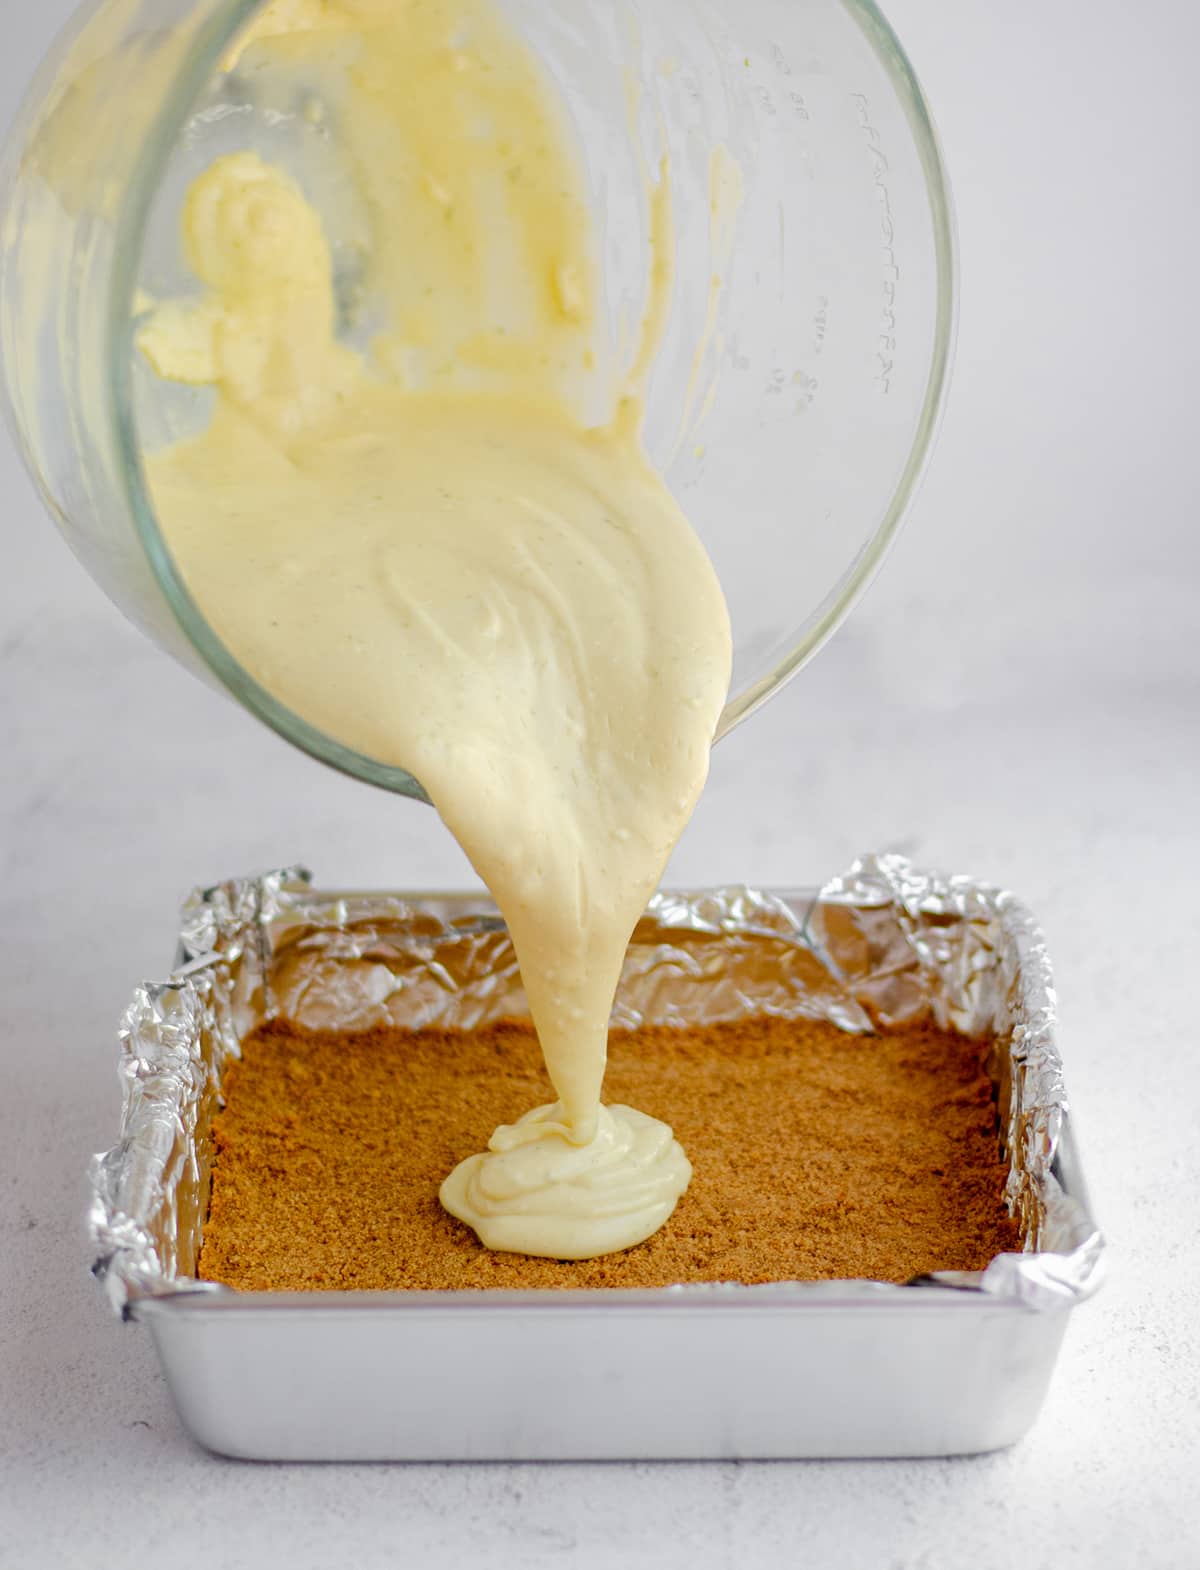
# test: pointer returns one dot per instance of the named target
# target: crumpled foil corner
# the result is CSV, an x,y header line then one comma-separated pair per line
x,y
910,944
884,944
150,1191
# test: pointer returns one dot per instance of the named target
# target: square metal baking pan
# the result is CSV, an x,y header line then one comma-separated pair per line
x,y
952,1363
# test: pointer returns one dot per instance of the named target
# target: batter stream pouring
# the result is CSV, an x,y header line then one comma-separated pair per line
x,y
433,553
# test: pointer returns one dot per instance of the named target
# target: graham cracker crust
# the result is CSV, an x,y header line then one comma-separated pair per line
x,y
818,1155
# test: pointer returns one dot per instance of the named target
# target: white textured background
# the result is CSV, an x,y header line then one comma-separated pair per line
x,y
1046,591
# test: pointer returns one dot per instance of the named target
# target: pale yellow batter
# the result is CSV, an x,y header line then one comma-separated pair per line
x,y
435,554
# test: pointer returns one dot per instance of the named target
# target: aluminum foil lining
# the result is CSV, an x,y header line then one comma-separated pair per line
x,y
886,944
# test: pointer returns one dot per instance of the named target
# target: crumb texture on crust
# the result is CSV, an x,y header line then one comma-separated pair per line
x,y
872,1157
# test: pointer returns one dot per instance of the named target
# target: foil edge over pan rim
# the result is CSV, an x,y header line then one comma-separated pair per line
x,y
958,939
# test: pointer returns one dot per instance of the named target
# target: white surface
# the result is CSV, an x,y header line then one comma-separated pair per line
x,y
1018,697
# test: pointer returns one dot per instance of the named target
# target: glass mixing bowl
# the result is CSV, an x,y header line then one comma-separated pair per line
x,y
791,410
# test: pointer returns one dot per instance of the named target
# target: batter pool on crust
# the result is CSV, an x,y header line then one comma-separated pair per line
x,y
437,552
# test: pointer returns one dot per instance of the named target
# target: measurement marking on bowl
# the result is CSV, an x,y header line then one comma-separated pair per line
x,y
886,343
820,323
794,98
